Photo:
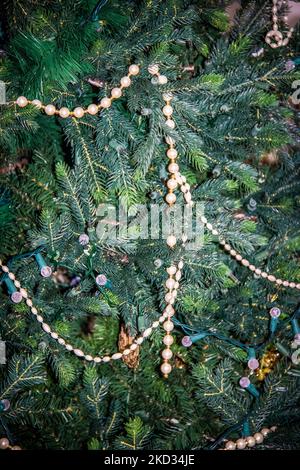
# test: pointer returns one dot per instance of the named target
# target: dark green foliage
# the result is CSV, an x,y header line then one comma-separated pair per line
x,y
230,109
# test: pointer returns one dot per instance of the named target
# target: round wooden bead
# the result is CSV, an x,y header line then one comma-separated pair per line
x,y
168,325
167,110
92,109
170,198
250,441
171,270
258,437
125,82
168,340
64,112
78,112
78,352
22,101
147,332
166,368
46,327
37,103
153,69
170,123
241,444
105,102
171,241
134,69
173,168
172,184
167,353
162,79
50,109
172,153
116,92
116,356
230,445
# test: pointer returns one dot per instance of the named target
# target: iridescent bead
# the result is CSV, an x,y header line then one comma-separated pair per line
x,y
275,312
171,270
105,102
37,103
230,445
78,112
168,340
244,382
162,79
258,437
92,109
171,241
186,341
168,325
84,239
50,109
101,280
250,441
167,354
166,368
241,444
170,123
22,101
253,364
170,198
134,69
46,271
64,112
16,297
167,110
125,82
116,92
4,443
153,69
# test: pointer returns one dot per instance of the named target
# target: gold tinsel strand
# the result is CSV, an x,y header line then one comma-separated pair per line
x,y
267,363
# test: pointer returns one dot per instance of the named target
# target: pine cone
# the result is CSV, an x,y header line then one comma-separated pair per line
x,y
125,340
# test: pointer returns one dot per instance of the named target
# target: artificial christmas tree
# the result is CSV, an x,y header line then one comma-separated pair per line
x,y
230,375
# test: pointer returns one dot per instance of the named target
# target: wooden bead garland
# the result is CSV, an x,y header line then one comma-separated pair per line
x,y
249,441
172,284
79,112
5,444
275,34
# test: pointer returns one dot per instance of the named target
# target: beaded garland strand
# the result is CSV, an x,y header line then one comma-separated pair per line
x,y
79,112
275,33
175,180
249,441
174,272
5,445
